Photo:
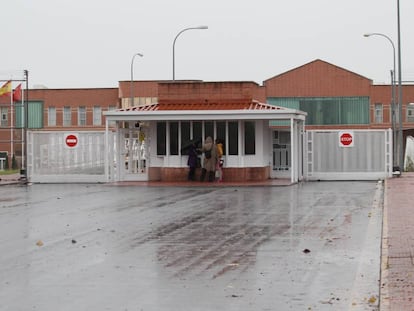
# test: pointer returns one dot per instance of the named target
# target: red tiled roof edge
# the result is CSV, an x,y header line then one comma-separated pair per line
x,y
253,105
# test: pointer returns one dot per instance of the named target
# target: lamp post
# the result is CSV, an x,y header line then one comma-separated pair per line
x,y
132,77
400,130
175,39
393,101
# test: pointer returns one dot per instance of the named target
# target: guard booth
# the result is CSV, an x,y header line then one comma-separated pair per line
x,y
148,139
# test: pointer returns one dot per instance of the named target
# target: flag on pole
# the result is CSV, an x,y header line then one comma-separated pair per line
x,y
17,93
6,89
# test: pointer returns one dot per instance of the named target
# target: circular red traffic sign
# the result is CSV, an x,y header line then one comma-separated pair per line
x,y
71,140
346,139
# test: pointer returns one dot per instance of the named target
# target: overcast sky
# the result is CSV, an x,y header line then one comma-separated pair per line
x,y
90,43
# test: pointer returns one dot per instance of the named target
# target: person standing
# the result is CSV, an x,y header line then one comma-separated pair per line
x,y
210,159
219,164
192,161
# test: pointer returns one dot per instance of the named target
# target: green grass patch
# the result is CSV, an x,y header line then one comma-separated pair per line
x,y
9,172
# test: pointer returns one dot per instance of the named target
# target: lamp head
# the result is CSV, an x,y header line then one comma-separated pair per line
x,y
202,27
367,34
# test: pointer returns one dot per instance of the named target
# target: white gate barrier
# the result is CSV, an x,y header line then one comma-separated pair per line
x,y
348,154
66,157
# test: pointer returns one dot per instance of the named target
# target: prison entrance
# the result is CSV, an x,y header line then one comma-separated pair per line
x,y
133,154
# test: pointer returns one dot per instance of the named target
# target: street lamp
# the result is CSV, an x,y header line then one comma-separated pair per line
x,y
393,92
132,77
175,39
400,131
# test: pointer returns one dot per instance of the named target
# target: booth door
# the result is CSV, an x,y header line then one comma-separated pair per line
x,y
134,154
281,162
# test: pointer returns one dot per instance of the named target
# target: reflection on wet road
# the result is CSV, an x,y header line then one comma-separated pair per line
x,y
312,246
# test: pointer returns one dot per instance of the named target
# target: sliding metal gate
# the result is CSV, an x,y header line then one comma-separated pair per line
x,y
67,157
348,155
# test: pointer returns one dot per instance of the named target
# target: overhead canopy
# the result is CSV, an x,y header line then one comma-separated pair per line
x,y
209,111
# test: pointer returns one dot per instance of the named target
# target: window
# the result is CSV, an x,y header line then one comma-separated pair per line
x,y
327,110
185,135
161,138
51,116
82,115
208,129
111,108
4,119
249,137
378,113
97,115
410,113
173,138
221,133
181,132
233,138
197,130
67,116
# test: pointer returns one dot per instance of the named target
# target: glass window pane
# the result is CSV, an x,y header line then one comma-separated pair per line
x,y
221,133
208,129
378,113
67,117
82,116
4,116
173,138
197,130
233,138
249,137
185,135
51,116
97,115
161,138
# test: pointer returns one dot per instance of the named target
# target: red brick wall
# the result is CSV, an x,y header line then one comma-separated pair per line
x,y
203,92
139,89
317,79
75,98
171,174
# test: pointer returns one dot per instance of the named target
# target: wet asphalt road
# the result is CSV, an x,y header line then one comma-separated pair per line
x,y
311,246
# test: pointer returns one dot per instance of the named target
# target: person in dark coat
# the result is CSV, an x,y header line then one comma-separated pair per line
x,y
192,161
210,159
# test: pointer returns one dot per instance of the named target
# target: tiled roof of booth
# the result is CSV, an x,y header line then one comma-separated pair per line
x,y
252,105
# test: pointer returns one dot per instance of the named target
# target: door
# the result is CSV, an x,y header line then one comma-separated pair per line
x,y
134,154
281,154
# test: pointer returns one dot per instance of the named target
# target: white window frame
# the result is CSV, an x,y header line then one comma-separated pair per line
x,y
410,113
51,116
67,116
4,116
378,113
81,116
97,115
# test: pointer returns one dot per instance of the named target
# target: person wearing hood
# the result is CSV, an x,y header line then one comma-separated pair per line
x,y
210,159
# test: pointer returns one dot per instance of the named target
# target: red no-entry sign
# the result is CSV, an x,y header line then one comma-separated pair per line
x,y
71,140
346,139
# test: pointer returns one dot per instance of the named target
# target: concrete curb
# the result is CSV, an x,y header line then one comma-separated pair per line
x,y
384,303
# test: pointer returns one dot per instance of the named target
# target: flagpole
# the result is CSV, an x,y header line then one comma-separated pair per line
x,y
11,126
23,138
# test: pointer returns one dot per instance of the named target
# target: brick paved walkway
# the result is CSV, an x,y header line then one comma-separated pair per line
x,y
397,276
9,179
